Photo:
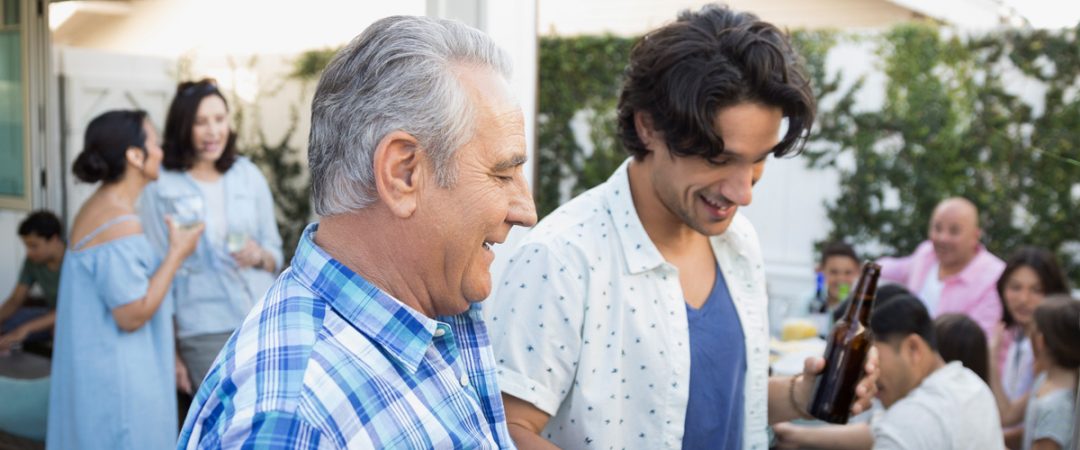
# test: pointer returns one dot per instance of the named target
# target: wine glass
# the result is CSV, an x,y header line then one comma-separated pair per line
x,y
186,212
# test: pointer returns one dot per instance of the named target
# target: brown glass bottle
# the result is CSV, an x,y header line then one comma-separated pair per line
x,y
845,355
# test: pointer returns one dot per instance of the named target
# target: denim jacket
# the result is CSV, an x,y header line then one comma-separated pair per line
x,y
213,295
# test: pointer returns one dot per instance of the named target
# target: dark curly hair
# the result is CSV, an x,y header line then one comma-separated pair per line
x,y
684,73
42,223
179,150
838,248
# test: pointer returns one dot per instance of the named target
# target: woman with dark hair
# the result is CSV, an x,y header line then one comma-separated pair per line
x,y
236,259
114,331
1030,275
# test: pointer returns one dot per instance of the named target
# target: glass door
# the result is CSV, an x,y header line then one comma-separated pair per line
x,y
14,153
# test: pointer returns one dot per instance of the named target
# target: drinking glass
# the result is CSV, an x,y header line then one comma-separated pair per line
x,y
235,241
187,210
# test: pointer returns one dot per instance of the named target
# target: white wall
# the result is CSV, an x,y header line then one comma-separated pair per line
x,y
94,82
171,28
513,26
635,17
12,249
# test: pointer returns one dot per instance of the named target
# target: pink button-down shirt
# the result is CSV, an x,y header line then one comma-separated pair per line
x,y
972,291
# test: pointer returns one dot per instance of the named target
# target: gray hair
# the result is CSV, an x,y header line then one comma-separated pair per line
x,y
397,75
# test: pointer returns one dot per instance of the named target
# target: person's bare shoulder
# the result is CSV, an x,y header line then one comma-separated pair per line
x,y
95,214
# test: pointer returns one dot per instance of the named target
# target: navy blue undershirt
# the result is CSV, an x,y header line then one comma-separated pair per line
x,y
714,413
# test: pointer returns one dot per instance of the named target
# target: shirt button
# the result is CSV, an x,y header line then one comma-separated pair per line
x,y
439,332
464,381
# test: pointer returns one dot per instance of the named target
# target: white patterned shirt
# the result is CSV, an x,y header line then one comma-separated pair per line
x,y
588,323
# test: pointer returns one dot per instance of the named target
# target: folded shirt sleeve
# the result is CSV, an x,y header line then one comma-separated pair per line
x,y
535,318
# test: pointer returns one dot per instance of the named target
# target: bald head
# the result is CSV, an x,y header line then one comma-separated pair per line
x,y
954,230
959,207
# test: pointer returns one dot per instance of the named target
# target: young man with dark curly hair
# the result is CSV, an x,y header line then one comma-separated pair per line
x,y
634,316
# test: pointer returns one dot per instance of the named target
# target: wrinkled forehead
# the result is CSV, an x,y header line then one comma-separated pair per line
x,y
486,88
498,114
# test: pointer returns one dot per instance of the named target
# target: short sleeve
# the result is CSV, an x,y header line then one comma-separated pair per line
x,y
1053,420
896,269
535,318
893,431
900,269
123,272
26,276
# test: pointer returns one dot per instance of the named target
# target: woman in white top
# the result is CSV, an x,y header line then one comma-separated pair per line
x,y
240,252
1030,274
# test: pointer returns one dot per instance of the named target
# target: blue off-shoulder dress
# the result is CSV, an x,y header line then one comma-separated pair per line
x,y
111,389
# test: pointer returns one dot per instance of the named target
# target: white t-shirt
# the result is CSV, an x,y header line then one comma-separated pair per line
x,y
953,409
213,193
931,290
1049,416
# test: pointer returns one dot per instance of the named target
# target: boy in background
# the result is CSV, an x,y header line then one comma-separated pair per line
x,y
21,320
836,274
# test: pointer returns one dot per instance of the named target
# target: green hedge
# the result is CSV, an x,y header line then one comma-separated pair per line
x,y
947,127
577,74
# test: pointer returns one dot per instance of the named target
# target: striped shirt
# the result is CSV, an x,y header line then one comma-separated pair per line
x,y
327,360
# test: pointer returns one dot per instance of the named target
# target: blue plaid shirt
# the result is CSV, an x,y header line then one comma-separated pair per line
x,y
327,360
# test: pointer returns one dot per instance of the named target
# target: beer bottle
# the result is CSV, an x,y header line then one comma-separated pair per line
x,y
845,355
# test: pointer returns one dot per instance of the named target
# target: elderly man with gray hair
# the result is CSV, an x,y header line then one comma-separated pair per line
x,y
373,337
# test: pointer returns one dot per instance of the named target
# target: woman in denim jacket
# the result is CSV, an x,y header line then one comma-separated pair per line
x,y
240,251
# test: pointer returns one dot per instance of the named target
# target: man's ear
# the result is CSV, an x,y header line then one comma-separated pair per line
x,y
909,346
643,124
397,172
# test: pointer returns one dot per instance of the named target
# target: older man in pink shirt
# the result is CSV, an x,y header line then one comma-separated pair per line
x,y
952,272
